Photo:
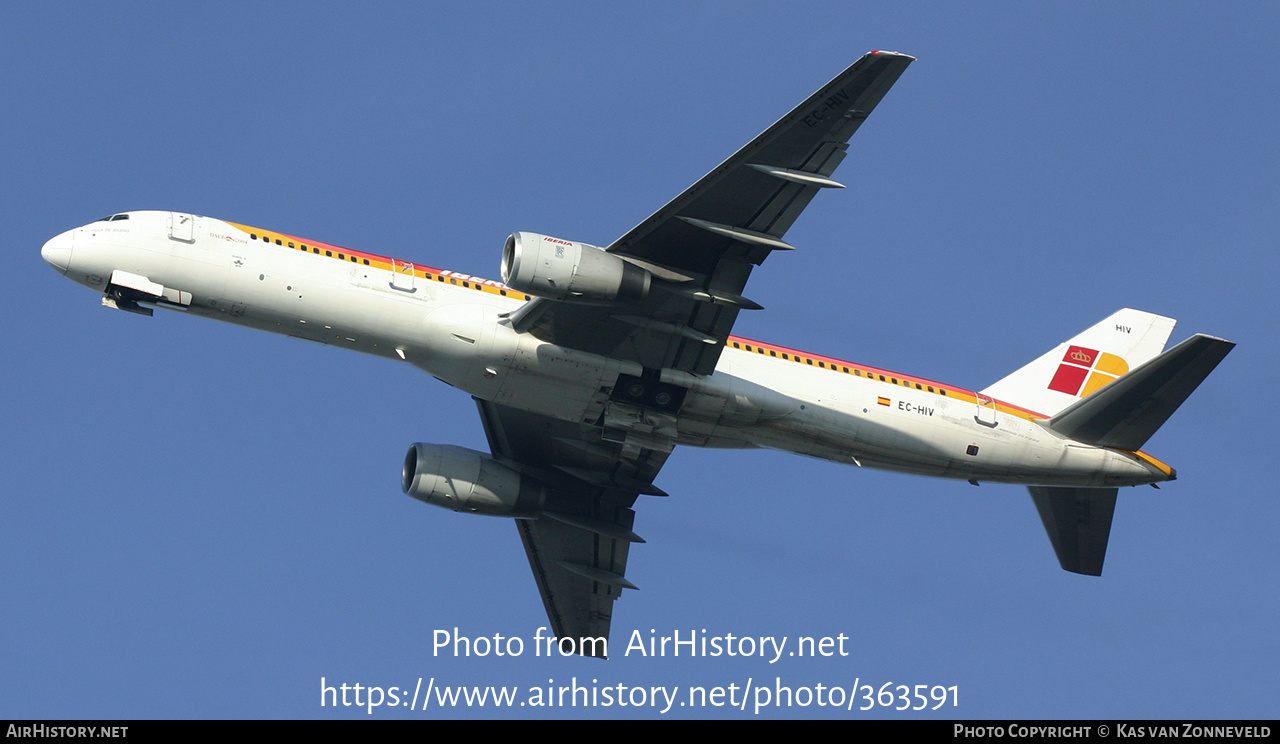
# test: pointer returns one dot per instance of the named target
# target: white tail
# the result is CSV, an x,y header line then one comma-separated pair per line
x,y
1087,362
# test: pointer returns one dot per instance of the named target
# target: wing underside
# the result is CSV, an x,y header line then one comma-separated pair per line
x,y
578,547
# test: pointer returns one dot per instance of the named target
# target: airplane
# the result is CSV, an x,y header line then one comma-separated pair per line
x,y
588,365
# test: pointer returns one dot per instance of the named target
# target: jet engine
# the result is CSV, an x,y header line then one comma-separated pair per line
x,y
563,270
465,480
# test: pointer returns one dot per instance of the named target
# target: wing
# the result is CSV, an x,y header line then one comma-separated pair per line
x,y
578,547
704,243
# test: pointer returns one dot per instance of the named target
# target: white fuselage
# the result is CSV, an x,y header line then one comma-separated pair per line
x,y
453,327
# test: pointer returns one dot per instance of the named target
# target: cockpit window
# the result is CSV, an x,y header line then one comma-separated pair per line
x,y
114,217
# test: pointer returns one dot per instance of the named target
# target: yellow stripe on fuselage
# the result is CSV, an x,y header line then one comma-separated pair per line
x,y
360,258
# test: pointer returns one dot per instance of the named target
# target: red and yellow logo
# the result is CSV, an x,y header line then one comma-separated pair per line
x,y
1085,370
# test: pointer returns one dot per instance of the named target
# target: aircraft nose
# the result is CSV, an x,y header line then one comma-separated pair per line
x,y
57,252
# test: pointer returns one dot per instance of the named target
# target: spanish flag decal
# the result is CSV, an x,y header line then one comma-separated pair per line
x,y
882,401
1083,371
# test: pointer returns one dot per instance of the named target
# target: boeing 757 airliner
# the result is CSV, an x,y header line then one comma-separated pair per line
x,y
588,365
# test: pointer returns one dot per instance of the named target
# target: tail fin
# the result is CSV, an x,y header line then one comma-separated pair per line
x,y
1090,360
1126,414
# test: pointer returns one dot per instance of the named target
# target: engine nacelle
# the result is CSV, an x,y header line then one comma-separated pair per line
x,y
563,270
462,479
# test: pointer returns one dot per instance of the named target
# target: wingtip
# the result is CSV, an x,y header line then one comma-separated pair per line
x,y
888,53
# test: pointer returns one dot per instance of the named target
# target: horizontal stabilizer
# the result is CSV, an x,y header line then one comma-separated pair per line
x,y
1078,521
1125,413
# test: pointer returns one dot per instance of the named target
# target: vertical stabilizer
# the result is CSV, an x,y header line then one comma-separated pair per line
x,y
1086,363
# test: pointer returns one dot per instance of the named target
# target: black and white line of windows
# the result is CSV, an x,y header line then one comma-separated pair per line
x,y
342,257
312,249
838,368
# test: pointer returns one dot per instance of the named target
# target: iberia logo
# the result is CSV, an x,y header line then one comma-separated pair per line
x,y
1085,370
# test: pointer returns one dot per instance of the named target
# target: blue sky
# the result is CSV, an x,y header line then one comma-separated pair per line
x,y
204,521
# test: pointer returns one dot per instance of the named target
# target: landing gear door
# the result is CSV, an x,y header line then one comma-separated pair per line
x,y
402,275
182,227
